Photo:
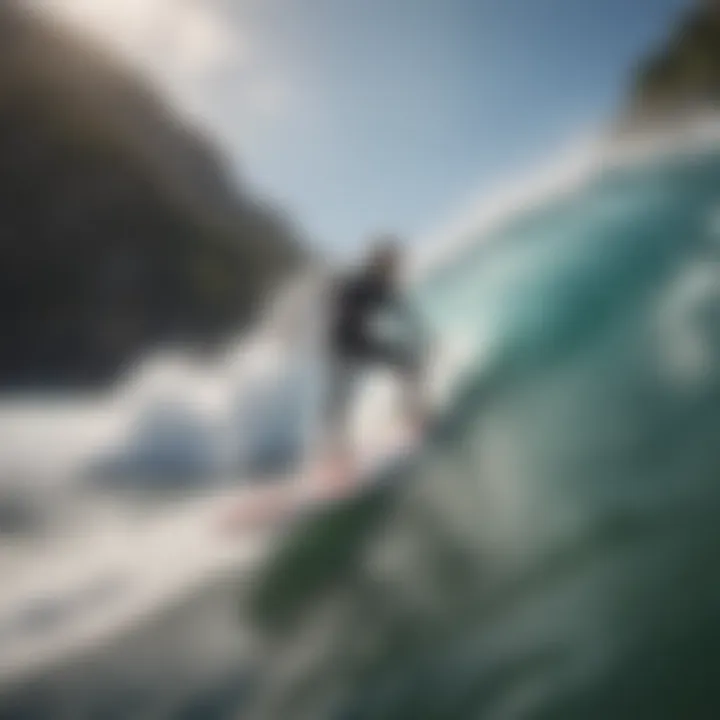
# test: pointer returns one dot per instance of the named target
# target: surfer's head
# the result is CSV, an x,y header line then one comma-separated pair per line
x,y
385,256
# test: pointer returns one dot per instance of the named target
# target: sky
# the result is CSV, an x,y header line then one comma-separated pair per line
x,y
360,116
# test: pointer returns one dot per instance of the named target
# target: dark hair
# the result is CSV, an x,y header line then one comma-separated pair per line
x,y
385,252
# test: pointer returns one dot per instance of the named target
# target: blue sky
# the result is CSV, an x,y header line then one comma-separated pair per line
x,y
414,105
359,115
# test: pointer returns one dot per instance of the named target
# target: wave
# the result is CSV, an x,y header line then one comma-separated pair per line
x,y
564,397
562,515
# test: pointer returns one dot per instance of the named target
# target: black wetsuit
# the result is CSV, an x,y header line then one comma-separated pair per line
x,y
357,301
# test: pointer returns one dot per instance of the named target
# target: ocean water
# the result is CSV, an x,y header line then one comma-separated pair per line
x,y
550,553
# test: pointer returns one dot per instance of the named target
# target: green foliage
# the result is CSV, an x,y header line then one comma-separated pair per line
x,y
684,75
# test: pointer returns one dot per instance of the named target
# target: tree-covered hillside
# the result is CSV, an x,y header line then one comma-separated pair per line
x,y
683,76
119,226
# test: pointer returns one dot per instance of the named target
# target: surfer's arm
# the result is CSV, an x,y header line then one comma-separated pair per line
x,y
415,328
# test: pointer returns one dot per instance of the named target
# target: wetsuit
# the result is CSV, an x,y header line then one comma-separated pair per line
x,y
354,344
357,302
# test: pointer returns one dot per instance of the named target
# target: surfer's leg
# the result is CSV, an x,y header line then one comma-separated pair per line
x,y
337,440
407,368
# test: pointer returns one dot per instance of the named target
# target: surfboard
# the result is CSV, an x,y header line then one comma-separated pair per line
x,y
321,482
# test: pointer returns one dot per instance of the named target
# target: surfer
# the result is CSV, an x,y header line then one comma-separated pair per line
x,y
343,320
357,301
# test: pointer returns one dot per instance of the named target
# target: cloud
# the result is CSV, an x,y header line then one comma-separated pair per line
x,y
181,45
185,37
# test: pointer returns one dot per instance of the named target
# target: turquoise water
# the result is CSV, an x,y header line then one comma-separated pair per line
x,y
552,552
